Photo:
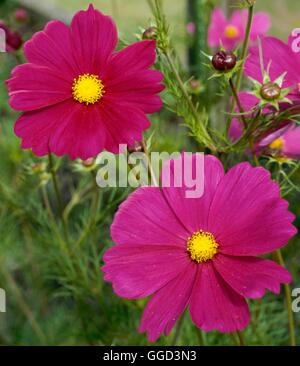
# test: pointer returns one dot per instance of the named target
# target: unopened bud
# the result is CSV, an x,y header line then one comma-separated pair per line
x,y
223,61
270,91
137,147
150,33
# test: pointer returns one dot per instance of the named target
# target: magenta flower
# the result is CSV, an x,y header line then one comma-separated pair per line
x,y
283,139
191,28
284,142
231,32
279,58
78,95
200,253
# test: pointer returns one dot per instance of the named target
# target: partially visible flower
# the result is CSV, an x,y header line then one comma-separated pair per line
x,y
230,32
13,39
279,59
21,15
78,95
200,253
191,28
285,142
281,140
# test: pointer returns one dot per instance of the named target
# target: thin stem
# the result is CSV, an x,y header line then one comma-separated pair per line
x,y
47,202
188,100
200,337
178,330
288,299
252,147
244,55
149,165
94,210
58,196
24,306
241,338
238,102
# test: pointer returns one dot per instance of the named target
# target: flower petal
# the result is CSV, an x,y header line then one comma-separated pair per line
x,y
192,212
156,226
138,271
217,26
282,60
167,304
94,37
137,88
65,128
247,215
260,26
214,305
33,87
82,135
291,143
250,276
136,57
52,48
124,123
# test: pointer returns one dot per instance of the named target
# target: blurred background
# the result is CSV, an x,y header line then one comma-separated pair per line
x,y
58,298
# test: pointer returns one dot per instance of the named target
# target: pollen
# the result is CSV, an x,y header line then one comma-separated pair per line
x,y
87,89
277,144
231,31
202,246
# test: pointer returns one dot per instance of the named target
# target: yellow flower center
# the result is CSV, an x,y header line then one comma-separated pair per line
x,y
231,31
202,246
87,89
277,144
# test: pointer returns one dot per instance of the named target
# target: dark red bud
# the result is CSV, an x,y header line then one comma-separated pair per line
x,y
223,61
270,91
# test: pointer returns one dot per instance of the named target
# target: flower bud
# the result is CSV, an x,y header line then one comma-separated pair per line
x,y
223,61
21,15
270,91
195,86
150,33
13,39
137,147
88,162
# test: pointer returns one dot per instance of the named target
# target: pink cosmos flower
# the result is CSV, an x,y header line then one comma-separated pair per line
x,y
78,95
231,32
283,139
191,28
281,59
285,142
200,253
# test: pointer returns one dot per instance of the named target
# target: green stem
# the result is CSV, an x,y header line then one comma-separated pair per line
x,y
241,338
288,299
149,165
244,55
191,106
178,330
94,211
238,102
58,197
